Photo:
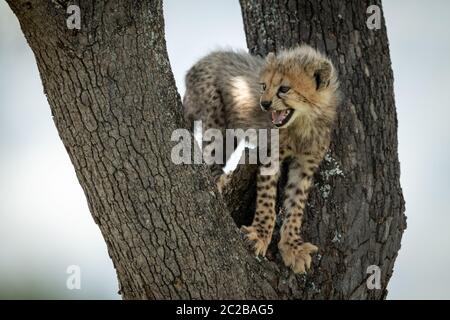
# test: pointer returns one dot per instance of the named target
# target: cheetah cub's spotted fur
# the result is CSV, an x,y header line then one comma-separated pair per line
x,y
297,90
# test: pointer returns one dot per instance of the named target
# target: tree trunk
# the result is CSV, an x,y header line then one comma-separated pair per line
x,y
168,232
356,211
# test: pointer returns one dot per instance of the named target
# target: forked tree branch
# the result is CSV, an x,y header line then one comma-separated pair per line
x,y
114,102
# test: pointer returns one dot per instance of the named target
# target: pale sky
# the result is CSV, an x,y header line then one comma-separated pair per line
x,y
45,225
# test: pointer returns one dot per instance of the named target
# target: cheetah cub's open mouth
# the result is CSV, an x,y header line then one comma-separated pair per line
x,y
281,117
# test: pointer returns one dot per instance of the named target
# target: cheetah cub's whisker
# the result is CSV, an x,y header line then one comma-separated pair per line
x,y
295,91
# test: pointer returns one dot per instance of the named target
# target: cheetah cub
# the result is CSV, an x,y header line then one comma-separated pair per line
x,y
295,91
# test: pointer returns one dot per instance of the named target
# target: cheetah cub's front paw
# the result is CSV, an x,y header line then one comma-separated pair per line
x,y
297,255
256,238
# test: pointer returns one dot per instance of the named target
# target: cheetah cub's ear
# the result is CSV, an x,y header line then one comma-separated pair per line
x,y
322,74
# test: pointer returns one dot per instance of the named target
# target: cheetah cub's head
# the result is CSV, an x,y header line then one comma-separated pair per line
x,y
298,83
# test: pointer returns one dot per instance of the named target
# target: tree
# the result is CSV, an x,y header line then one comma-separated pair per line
x,y
168,231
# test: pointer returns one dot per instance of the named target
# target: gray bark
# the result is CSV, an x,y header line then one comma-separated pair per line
x,y
356,217
168,232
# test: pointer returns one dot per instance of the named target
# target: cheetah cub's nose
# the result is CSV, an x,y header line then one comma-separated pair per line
x,y
265,105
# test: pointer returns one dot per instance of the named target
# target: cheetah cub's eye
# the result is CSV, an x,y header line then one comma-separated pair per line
x,y
263,86
284,89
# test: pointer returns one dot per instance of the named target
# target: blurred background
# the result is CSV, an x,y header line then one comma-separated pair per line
x,y
45,224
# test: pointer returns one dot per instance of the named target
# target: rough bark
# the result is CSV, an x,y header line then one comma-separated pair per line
x,y
356,210
115,106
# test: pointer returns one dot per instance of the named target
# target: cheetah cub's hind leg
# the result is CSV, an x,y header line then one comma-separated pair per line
x,y
260,232
296,253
